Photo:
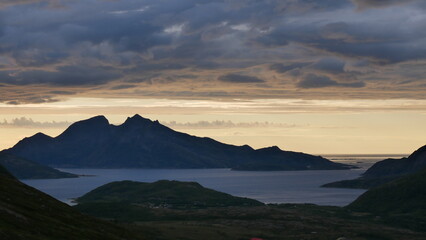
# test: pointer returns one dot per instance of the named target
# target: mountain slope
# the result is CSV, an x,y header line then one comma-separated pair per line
x,y
402,201
25,169
142,143
406,194
398,167
386,171
26,213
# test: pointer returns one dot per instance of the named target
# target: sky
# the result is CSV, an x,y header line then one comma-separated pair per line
x,y
317,76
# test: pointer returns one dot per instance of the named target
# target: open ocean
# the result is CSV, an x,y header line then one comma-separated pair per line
x,y
265,186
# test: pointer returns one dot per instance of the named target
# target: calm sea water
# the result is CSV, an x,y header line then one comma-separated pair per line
x,y
268,187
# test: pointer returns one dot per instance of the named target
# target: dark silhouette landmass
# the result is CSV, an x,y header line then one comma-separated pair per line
x,y
26,213
25,169
142,143
386,171
129,200
165,194
401,202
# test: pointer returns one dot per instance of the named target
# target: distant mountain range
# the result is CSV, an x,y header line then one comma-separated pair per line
x,y
386,171
25,169
142,143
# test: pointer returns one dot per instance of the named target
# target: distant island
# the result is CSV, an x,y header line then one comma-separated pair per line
x,y
142,143
126,198
386,171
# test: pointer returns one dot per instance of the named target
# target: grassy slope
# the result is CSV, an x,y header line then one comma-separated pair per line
x,y
170,194
26,213
126,202
25,169
401,202
288,221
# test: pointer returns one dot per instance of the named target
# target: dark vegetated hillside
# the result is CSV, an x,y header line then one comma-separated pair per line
x,y
25,169
400,202
164,194
26,213
386,171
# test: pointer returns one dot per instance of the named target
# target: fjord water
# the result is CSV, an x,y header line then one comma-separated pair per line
x,y
265,186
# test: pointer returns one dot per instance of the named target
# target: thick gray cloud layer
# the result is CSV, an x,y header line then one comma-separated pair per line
x,y
237,78
68,47
319,81
379,3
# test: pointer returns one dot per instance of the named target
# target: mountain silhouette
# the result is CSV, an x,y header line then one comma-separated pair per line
x,y
386,171
142,143
25,169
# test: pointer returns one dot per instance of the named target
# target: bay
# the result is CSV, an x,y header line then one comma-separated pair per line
x,y
265,186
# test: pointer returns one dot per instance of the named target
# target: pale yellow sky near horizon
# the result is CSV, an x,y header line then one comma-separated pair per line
x,y
311,126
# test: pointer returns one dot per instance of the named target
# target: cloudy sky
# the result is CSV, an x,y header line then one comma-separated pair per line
x,y
319,76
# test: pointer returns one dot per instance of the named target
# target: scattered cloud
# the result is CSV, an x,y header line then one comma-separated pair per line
x,y
30,123
227,124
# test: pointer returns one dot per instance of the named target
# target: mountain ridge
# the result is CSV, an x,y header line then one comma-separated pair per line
x,y
386,171
142,143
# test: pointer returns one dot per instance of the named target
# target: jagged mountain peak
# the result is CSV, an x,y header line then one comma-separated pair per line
x,y
97,121
41,135
138,120
270,149
100,119
142,143
85,127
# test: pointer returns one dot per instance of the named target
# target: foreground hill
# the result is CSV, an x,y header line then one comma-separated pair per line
x,y
163,194
402,200
25,169
26,213
386,171
142,143
186,210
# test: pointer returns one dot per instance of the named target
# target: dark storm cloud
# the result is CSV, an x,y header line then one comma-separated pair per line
x,y
379,3
283,68
123,86
71,43
237,78
387,42
62,76
330,65
320,81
